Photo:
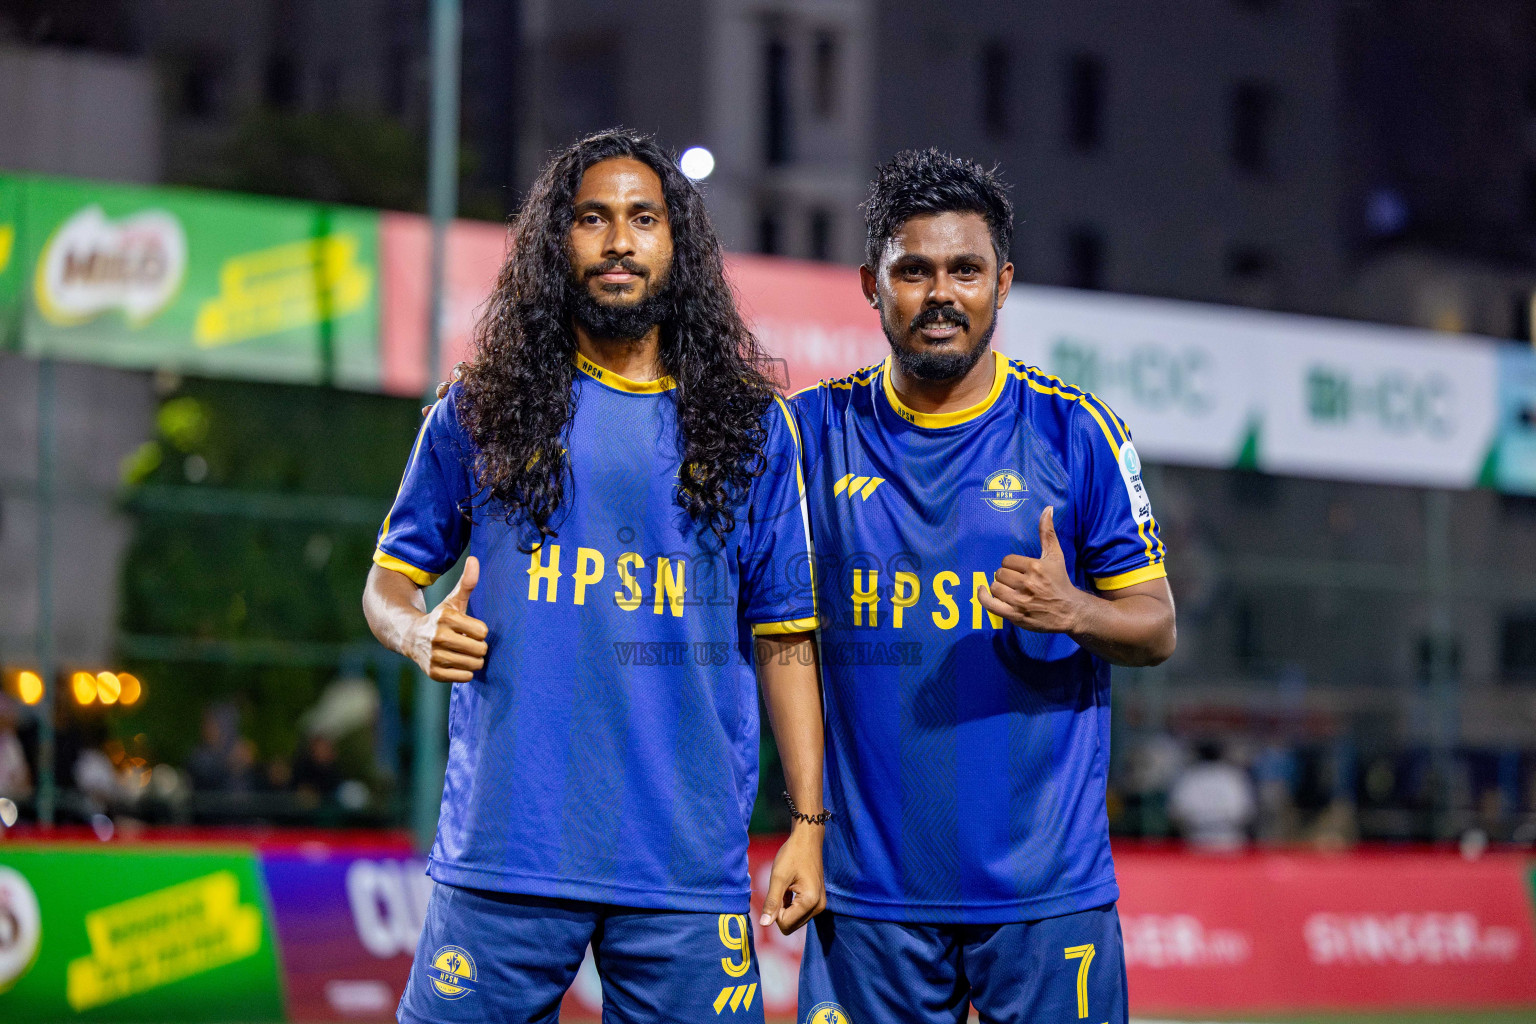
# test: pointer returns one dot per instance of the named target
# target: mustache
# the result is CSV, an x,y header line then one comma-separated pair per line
x,y
940,315
604,267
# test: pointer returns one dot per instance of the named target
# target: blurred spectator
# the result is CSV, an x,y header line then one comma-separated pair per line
x,y
315,772
212,764
1274,772
1212,801
15,777
1154,764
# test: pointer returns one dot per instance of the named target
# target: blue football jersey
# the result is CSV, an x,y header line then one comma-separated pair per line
x,y
966,757
608,750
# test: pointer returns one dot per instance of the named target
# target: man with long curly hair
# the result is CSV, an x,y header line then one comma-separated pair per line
x,y
627,483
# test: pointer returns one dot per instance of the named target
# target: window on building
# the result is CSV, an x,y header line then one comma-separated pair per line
x,y
396,82
821,235
1247,633
1085,102
996,82
777,144
1247,263
202,88
281,82
1528,193
768,233
825,86
1085,258
1253,115
1520,316
1517,647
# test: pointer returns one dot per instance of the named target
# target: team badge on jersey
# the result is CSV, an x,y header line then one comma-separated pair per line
x,y
827,1013
1004,490
452,972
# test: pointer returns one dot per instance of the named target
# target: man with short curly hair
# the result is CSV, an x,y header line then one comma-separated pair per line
x,y
986,551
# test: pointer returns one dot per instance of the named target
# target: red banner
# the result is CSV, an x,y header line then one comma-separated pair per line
x,y
475,253
1292,931
810,315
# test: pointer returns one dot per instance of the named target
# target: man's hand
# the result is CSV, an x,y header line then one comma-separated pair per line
x,y
1036,593
796,891
446,642
454,375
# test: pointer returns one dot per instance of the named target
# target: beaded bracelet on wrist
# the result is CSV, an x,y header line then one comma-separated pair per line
x,y
819,818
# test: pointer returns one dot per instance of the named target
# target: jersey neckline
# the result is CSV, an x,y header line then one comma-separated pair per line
x,y
618,382
939,420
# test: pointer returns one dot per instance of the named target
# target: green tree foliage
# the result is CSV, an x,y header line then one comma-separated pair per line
x,y
278,572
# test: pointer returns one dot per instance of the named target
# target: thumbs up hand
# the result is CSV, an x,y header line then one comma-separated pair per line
x,y
1036,593
447,642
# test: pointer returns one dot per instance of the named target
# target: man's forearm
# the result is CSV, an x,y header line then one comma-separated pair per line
x,y
787,671
392,603
1134,630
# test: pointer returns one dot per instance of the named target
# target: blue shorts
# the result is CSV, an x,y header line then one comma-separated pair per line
x,y
490,956
1060,969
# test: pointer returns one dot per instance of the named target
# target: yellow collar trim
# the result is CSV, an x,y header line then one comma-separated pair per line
x,y
622,383
948,419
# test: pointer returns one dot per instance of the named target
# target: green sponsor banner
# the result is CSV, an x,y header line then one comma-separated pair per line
x,y
10,275
115,934
201,282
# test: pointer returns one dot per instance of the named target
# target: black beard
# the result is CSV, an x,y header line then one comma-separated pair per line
x,y
928,365
627,322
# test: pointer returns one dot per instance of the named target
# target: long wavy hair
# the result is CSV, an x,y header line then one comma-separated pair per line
x,y
516,398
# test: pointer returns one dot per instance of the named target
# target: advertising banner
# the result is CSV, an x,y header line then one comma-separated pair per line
x,y
201,282
1357,402
1180,375
1513,467
1276,932
475,254
116,934
347,924
812,316
10,274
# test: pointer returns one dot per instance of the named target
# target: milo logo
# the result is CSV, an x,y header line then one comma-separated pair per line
x,y
93,264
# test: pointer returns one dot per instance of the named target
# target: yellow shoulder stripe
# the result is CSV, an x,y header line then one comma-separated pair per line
x,y
1147,532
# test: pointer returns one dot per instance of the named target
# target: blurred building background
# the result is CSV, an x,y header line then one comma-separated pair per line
x,y
1365,653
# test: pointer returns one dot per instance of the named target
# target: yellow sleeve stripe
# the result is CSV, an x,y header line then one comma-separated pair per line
x,y
1091,402
805,512
421,433
1130,579
794,432
778,628
420,577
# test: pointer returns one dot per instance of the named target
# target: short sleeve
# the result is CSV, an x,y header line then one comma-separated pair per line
x,y
426,530
1118,542
778,593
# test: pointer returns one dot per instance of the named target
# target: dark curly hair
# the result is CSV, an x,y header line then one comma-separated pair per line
x,y
918,181
516,397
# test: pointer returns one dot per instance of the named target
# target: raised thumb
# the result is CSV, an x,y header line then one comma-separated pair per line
x,y
459,598
1048,541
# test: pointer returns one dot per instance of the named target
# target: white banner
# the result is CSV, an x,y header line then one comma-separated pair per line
x,y
1306,396
1179,374
1376,403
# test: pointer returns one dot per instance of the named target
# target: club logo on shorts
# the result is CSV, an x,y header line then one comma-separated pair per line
x,y
1005,490
452,972
827,1013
